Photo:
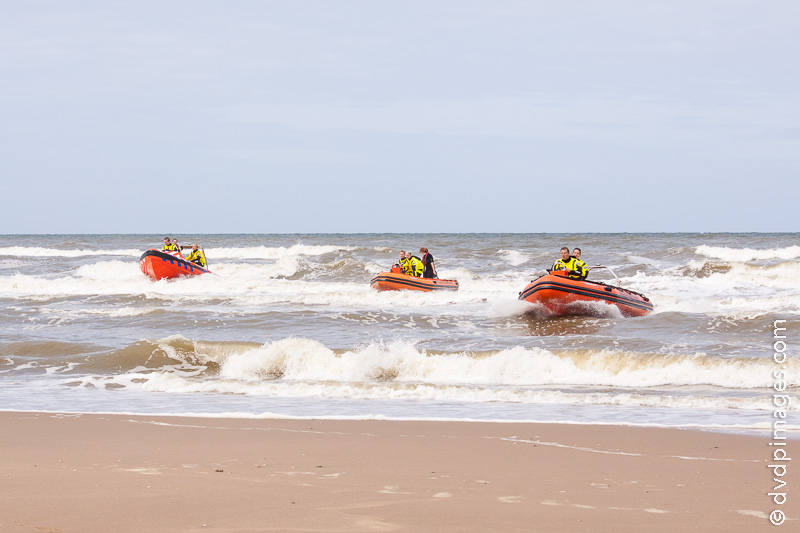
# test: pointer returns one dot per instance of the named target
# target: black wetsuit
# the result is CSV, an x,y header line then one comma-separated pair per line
x,y
427,262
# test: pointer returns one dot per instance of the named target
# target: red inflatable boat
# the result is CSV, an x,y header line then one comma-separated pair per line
x,y
564,296
167,265
395,281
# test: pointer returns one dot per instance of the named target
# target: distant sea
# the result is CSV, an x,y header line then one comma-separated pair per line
x,y
288,327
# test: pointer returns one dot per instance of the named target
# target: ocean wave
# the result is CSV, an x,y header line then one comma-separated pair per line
x,y
66,315
737,290
24,251
264,252
12,263
48,351
257,252
172,354
299,367
303,359
744,291
640,260
297,359
124,279
704,269
514,257
300,359
306,276
748,254
110,270
176,383
344,282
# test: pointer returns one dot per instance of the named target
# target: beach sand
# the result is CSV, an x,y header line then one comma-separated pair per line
x,y
87,473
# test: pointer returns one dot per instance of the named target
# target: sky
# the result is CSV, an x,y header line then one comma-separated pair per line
x,y
385,116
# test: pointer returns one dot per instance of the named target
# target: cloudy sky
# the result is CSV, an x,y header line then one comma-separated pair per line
x,y
387,116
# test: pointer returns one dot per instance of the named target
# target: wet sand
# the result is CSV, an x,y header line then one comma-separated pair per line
x,y
89,473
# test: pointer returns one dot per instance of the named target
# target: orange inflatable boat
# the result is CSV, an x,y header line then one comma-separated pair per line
x,y
167,265
396,281
563,296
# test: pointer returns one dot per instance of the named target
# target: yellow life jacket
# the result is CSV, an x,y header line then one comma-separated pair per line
x,y
416,266
581,267
197,257
571,265
405,266
169,248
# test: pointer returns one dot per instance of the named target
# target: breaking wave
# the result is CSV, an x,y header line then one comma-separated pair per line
x,y
748,254
24,251
300,367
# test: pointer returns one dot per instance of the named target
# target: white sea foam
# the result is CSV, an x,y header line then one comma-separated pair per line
x,y
304,368
33,251
743,291
748,254
290,279
257,252
304,360
128,280
63,315
639,260
264,252
510,307
514,257
174,383
116,271
283,267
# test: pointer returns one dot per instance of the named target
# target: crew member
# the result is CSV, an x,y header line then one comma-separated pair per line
x,y
401,263
197,257
576,253
576,270
414,265
168,246
427,262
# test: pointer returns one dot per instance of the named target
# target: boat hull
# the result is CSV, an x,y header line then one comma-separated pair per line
x,y
163,265
563,296
391,281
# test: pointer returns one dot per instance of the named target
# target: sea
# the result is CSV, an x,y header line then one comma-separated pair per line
x,y
287,326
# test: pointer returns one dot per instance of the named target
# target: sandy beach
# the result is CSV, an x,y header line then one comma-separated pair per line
x,y
133,473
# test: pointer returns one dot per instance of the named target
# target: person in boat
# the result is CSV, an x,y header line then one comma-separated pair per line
x,y
428,265
405,263
414,266
178,247
197,256
400,265
168,246
576,253
576,269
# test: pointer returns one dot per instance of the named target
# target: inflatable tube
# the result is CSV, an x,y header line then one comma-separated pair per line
x,y
167,265
392,281
560,294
